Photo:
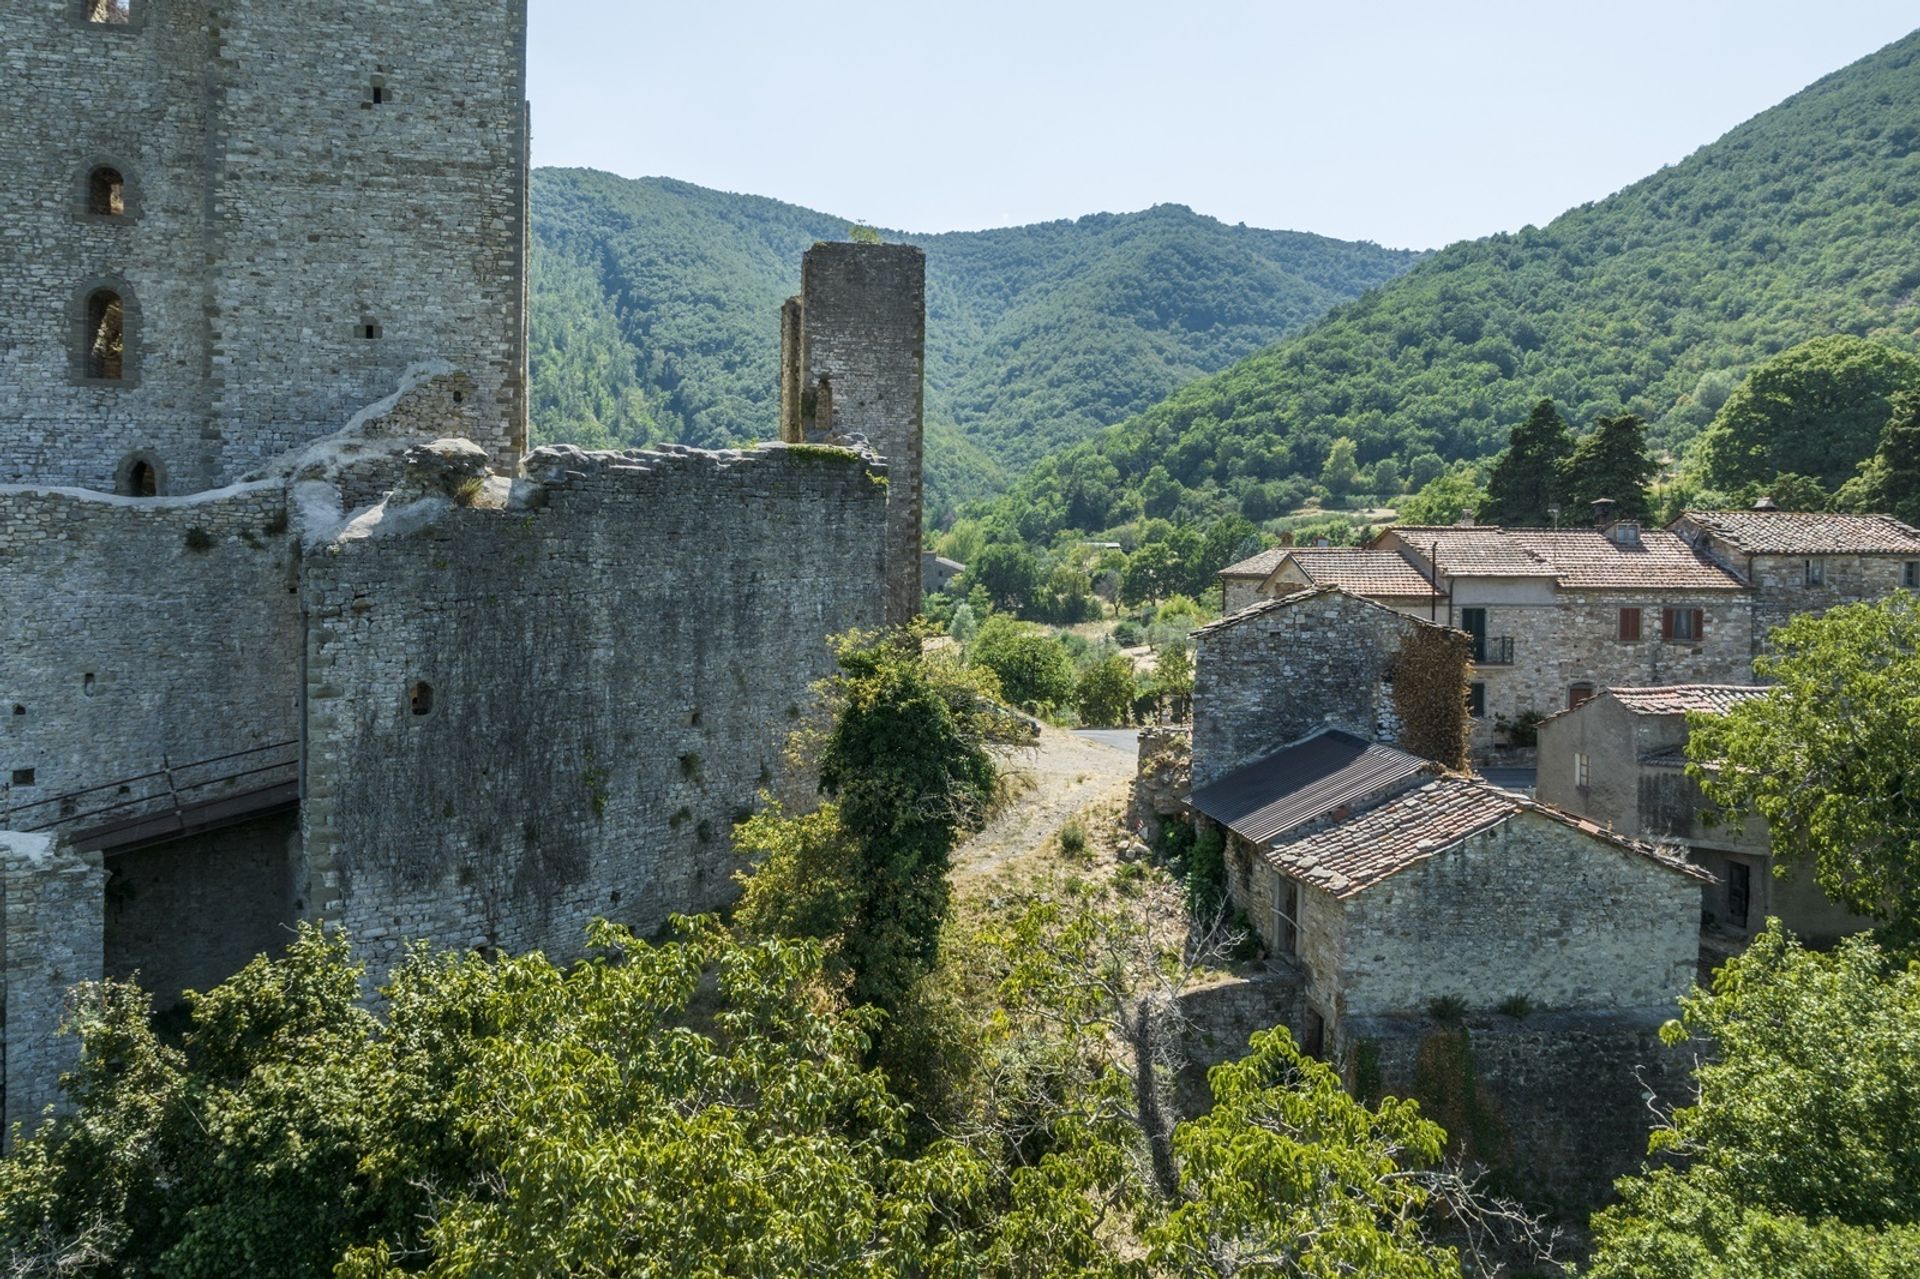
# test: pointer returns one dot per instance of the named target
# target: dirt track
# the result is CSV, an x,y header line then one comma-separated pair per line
x,y
1060,777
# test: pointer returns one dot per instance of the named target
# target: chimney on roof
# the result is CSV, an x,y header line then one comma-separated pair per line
x,y
1323,541
1286,538
1466,517
1766,503
1603,508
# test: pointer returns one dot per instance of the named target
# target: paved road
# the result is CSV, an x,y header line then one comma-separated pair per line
x,y
1120,739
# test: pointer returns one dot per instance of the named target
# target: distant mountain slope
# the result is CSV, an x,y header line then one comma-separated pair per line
x,y
656,315
1803,221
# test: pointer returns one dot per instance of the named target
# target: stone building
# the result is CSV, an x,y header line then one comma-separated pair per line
x,y
1798,562
289,628
1386,884
231,227
1620,760
1381,576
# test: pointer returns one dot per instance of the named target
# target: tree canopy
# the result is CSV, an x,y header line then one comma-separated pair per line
x,y
1528,483
1831,756
1611,462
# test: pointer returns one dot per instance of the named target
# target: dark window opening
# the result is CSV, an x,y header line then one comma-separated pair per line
x,y
23,777
106,192
1910,577
86,684
1286,931
377,93
1739,893
1474,622
18,709
106,335
1816,572
370,331
110,13
1629,625
1578,694
1477,700
1683,625
420,698
1314,1041
142,480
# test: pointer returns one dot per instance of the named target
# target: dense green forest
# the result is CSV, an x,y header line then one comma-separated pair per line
x,y
1802,222
656,316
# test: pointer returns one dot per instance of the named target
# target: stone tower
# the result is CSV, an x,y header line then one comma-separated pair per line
x,y
231,224
853,361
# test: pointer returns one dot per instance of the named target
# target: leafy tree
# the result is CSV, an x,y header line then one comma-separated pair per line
x,y
1444,500
1008,573
1342,467
1611,461
1152,572
1797,1158
1105,691
1384,478
1033,667
906,760
1530,479
1831,756
1814,409
1889,482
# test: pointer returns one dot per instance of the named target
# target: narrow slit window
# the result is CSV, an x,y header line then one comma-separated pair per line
x,y
107,192
370,332
106,336
420,698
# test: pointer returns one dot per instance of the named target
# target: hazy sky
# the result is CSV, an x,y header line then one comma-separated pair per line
x,y
1414,124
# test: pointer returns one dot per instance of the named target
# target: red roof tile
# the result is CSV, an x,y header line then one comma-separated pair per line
x,y
1809,532
1351,856
1577,559
1361,570
1678,699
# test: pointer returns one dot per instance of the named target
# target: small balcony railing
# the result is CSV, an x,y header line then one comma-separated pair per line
x,y
1493,650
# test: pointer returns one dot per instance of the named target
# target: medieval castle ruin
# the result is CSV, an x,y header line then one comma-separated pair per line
x,y
289,628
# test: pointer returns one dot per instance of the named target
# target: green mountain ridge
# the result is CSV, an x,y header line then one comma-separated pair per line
x,y
1805,220
655,315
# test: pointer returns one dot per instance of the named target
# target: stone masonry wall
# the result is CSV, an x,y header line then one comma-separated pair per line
x,y
274,212
1276,672
1781,590
853,364
615,657
137,633
50,899
1532,907
1566,1100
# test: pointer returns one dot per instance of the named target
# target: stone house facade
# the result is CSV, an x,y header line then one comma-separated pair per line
x,y
1805,563
1620,760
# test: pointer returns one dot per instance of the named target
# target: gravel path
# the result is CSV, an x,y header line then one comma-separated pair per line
x,y
1061,776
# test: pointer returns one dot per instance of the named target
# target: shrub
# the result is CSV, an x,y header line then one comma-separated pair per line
x,y
1518,1007
1073,840
1128,634
1448,1010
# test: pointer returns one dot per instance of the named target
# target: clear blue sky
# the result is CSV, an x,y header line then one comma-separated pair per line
x,y
1413,124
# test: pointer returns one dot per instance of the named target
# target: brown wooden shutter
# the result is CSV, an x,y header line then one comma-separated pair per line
x,y
1666,623
1629,624
1699,624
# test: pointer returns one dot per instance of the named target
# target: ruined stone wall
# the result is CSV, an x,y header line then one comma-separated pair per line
x,y
135,634
50,906
854,364
615,658
1562,1102
1276,672
188,914
274,211
1532,908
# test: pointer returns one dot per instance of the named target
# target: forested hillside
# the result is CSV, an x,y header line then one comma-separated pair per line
x,y
656,316
1804,221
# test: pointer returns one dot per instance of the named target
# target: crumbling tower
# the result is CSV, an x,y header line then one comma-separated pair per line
x,y
852,364
230,227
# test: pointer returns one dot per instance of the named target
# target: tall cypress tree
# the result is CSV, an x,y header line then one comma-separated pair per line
x,y
1898,460
1531,476
1612,461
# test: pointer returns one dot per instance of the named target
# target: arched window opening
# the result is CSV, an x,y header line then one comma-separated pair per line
x,y
420,698
142,481
106,336
107,192
110,13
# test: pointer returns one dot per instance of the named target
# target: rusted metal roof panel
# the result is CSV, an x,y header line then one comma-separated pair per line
x,y
1311,778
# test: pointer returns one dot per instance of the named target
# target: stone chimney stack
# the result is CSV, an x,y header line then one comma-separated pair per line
x,y
852,370
1603,509
1467,518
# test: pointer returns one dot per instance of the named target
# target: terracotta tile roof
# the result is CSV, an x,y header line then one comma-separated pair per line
x,y
1352,856
1361,570
1304,781
1577,559
1809,533
1260,608
1482,551
1678,699
1258,565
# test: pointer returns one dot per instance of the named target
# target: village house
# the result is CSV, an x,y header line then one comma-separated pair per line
x,y
1620,760
1381,576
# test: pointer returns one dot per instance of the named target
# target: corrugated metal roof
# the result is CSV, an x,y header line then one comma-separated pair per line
x,y
1298,783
